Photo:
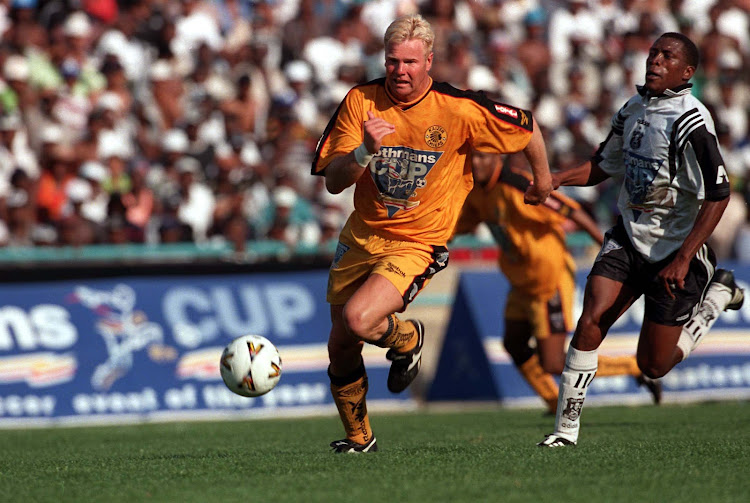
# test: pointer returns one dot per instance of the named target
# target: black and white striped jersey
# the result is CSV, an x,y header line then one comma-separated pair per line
x,y
664,150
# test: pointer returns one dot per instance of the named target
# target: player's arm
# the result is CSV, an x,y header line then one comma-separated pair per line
x,y
343,171
510,134
584,221
586,174
572,211
706,152
705,223
346,169
536,153
606,162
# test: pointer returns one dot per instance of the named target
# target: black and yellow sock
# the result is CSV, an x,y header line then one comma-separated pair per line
x,y
540,381
400,335
349,394
618,366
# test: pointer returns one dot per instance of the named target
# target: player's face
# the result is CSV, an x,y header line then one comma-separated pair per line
x,y
406,69
483,167
666,66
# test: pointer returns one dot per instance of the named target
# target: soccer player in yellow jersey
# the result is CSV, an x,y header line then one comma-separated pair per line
x,y
541,271
404,141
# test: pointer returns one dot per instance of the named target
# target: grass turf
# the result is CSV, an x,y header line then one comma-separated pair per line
x,y
669,453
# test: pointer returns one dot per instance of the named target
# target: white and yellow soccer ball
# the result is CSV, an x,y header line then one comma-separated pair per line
x,y
250,365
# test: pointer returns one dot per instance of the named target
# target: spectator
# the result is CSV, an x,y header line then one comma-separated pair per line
x,y
15,150
121,42
114,152
533,51
17,96
139,204
197,201
724,236
73,228
197,25
51,196
574,32
293,222
78,32
20,209
297,99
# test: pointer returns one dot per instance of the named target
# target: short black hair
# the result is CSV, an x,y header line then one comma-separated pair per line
x,y
692,54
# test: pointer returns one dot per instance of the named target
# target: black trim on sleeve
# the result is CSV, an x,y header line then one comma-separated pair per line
x,y
322,140
597,157
709,158
514,179
329,128
506,113
677,138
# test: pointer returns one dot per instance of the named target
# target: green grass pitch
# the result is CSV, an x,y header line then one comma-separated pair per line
x,y
695,453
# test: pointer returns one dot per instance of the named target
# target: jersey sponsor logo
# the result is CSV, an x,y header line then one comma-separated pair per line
x,y
636,139
435,136
393,268
524,118
398,172
721,176
640,174
502,109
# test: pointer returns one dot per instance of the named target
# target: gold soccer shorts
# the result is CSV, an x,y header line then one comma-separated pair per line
x,y
408,265
546,314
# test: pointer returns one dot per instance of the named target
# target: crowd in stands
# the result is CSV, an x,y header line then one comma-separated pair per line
x,y
163,121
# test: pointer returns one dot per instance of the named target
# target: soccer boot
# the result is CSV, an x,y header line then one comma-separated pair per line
x,y
351,447
653,385
726,278
405,366
553,440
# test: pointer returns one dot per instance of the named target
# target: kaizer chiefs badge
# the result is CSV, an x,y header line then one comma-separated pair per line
x,y
435,136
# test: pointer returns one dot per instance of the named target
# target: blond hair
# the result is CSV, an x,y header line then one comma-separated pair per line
x,y
410,27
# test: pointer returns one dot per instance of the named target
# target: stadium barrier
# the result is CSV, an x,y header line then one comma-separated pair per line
x,y
112,345
473,364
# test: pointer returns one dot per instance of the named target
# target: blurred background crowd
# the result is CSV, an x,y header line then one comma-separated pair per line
x,y
165,121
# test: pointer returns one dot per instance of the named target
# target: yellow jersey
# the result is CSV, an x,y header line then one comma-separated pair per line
x,y
416,184
531,238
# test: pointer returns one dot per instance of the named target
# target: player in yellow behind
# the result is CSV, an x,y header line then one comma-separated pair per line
x,y
541,271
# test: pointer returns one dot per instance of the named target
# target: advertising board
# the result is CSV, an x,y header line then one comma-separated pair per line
x,y
148,348
473,365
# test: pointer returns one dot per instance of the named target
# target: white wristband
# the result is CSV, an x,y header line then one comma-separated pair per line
x,y
362,155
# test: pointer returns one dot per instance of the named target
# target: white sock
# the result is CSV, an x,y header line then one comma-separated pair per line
x,y
580,369
716,300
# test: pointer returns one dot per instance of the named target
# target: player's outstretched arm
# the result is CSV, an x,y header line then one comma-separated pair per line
x,y
705,223
345,170
342,172
588,173
584,222
536,154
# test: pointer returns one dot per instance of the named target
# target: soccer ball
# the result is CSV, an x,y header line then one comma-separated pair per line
x,y
250,365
